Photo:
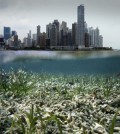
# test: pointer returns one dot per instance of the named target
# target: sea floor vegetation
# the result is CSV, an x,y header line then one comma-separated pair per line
x,y
59,104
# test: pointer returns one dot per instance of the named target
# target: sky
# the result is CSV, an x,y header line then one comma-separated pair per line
x,y
25,15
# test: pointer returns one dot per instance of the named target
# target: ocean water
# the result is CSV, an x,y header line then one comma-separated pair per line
x,y
62,62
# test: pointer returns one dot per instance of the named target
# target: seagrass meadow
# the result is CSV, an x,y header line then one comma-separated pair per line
x,y
43,103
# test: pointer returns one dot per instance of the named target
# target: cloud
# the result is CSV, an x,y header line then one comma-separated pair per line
x,y
24,21
5,4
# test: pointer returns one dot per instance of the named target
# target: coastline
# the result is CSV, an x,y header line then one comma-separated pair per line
x,y
54,49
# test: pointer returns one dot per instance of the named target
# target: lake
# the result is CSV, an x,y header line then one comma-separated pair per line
x,y
62,62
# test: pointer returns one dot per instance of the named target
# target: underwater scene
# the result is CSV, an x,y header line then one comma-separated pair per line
x,y
60,92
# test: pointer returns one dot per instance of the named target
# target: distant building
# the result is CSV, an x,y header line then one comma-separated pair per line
x,y
16,42
38,35
91,37
48,28
47,43
7,33
43,40
34,40
86,39
80,21
2,43
53,36
56,22
96,37
29,39
63,34
63,26
25,42
69,38
14,33
74,34
10,42
85,27
100,41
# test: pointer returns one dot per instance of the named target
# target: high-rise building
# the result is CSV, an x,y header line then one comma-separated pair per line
x,y
34,40
16,43
74,34
80,21
91,37
14,33
43,40
7,33
69,37
53,36
85,27
29,42
96,37
25,42
47,43
100,41
56,22
2,43
48,28
86,39
38,35
63,34
63,26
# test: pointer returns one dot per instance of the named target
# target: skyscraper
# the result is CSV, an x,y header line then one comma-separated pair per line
x,y
34,40
29,39
63,34
14,33
80,21
48,28
53,36
7,33
100,41
69,37
15,41
91,37
43,40
74,33
38,35
56,22
96,37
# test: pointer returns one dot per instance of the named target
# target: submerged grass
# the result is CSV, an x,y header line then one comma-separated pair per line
x,y
42,87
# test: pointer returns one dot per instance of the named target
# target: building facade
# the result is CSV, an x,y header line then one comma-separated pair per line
x,y
74,34
91,37
96,37
56,22
7,33
53,36
80,27
38,35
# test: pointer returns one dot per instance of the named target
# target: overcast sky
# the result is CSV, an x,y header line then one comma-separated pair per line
x,y
25,15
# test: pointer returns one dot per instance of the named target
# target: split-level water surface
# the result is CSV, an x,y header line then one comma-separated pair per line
x,y
62,62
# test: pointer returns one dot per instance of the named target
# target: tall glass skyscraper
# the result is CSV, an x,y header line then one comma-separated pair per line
x,y
80,21
7,33
38,35
53,36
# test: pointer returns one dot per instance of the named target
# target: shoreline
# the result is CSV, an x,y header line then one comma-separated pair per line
x,y
74,50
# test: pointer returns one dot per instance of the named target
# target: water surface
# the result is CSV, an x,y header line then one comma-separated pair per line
x,y
72,62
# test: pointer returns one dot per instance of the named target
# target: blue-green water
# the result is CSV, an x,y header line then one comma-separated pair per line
x,y
97,62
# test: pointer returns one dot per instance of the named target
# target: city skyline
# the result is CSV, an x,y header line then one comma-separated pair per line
x,y
25,18
57,36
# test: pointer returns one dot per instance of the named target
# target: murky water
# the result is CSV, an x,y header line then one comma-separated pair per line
x,y
82,62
